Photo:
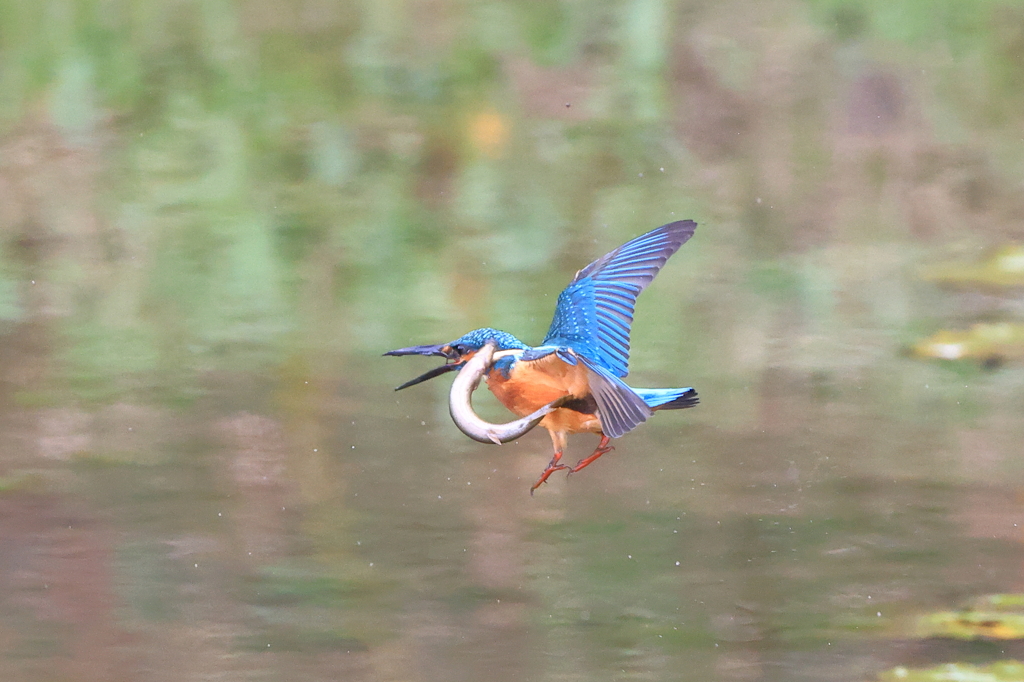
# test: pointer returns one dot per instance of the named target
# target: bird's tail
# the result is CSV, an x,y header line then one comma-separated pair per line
x,y
668,398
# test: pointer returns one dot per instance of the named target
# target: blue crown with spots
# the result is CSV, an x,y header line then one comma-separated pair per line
x,y
478,337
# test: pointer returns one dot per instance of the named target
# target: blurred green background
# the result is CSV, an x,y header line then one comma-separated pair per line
x,y
215,216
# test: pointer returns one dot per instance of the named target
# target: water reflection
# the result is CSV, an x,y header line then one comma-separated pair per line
x,y
214,219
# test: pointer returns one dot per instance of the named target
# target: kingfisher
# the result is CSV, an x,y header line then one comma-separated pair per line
x,y
572,382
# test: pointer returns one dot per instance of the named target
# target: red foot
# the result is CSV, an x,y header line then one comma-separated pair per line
x,y
553,466
602,449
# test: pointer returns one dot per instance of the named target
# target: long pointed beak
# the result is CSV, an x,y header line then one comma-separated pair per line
x,y
436,372
440,349
419,350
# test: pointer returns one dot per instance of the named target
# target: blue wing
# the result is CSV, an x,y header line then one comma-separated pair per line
x,y
619,407
595,312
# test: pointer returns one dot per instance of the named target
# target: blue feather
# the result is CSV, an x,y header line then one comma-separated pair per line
x,y
665,397
478,337
595,312
620,407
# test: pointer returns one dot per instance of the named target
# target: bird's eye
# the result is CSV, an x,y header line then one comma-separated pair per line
x,y
460,348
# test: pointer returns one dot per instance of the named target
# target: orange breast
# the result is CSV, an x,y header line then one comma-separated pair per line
x,y
532,385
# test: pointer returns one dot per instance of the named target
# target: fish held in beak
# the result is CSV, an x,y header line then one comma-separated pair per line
x,y
461,407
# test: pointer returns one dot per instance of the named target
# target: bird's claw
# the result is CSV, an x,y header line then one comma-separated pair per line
x,y
588,460
552,468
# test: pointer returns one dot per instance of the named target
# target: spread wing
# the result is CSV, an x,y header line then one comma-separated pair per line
x,y
595,312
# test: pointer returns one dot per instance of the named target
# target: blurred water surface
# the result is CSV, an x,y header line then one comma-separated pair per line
x,y
214,217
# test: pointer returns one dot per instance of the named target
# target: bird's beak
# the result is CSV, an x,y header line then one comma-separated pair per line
x,y
441,349
466,418
436,372
438,349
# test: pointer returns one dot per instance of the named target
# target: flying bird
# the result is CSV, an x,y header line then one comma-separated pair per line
x,y
572,382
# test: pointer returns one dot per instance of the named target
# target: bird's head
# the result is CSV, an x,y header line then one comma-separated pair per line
x,y
458,352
